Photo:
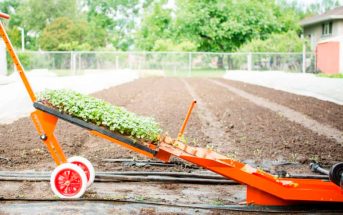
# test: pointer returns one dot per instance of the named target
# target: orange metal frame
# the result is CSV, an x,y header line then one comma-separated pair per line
x,y
262,188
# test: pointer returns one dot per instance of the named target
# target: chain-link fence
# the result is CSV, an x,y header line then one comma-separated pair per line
x,y
163,63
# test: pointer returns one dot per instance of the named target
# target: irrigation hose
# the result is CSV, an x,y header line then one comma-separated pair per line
x,y
231,207
173,177
106,177
315,167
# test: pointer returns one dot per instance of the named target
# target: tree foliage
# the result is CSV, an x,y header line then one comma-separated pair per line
x,y
118,17
66,34
157,25
219,26
277,42
203,25
37,14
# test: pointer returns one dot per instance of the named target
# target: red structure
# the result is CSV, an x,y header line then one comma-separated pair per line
x,y
329,56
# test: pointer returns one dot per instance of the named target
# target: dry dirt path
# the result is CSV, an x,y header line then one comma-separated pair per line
x,y
290,114
323,111
210,125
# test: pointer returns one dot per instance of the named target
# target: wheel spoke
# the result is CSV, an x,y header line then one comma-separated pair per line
x,y
68,182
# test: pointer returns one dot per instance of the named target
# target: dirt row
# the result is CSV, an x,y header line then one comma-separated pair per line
x,y
322,111
258,135
261,135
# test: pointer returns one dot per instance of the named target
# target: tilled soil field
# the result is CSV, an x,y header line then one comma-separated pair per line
x,y
223,120
325,112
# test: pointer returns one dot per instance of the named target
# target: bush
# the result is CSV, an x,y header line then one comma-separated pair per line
x,y
283,42
24,58
170,45
102,113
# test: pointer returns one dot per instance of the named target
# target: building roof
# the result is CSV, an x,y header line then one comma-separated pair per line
x,y
336,13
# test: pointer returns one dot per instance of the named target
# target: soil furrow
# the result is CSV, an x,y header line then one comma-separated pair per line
x,y
211,126
322,111
290,114
260,134
256,133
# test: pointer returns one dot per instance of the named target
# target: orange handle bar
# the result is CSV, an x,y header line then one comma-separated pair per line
x,y
186,119
4,15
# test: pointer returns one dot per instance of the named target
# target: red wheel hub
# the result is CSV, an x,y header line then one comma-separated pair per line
x,y
83,167
68,182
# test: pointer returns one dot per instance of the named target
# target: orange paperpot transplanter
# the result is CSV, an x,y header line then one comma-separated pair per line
x,y
72,176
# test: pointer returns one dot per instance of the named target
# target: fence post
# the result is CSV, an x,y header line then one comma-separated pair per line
x,y
72,62
80,63
304,55
190,64
249,61
117,63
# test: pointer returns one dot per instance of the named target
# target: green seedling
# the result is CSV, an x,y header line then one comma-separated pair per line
x,y
102,113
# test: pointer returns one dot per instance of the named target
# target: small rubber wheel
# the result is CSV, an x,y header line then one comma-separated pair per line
x,y
335,173
86,166
68,181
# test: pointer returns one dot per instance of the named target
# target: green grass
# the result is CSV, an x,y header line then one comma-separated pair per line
x,y
323,75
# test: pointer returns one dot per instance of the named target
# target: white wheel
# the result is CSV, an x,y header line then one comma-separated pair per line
x,y
86,166
68,181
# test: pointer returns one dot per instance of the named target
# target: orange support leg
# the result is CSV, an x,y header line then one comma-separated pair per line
x,y
45,125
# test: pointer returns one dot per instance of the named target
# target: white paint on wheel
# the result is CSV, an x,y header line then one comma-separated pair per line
x,y
74,168
89,166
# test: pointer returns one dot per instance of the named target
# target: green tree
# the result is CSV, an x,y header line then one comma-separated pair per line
x,y
10,7
33,16
170,45
118,17
223,26
65,34
217,26
156,25
277,42
37,14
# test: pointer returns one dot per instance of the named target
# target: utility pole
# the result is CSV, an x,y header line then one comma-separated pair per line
x,y
304,54
22,38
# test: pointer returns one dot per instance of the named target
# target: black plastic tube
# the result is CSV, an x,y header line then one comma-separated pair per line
x,y
315,167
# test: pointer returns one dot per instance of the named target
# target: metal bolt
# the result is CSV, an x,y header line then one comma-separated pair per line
x,y
43,137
